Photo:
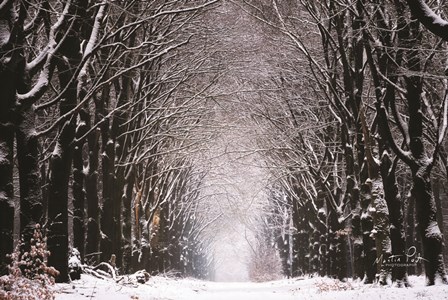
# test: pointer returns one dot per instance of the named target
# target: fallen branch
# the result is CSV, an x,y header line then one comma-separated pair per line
x,y
111,269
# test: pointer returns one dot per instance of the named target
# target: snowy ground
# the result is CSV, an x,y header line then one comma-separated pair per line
x,y
160,288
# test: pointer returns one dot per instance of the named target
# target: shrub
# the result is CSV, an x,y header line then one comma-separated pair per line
x,y
333,285
29,277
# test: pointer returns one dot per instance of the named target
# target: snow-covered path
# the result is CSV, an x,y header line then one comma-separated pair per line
x,y
160,288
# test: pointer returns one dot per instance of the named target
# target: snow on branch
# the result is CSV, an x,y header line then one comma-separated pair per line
x,y
95,30
82,76
4,5
429,18
41,58
442,129
46,56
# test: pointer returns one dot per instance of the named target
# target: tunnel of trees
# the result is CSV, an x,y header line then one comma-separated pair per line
x,y
108,109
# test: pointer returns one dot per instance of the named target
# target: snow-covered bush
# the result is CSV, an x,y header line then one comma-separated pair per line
x,y
74,265
29,277
333,285
142,276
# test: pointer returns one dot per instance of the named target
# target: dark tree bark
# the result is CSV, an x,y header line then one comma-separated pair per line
x,y
417,159
411,240
430,233
61,158
60,169
93,203
351,133
338,251
93,207
432,239
18,119
31,206
127,219
78,185
421,166
438,201
296,241
108,205
368,243
358,252
321,236
11,60
397,235
352,196
6,185
120,145
434,23
6,168
299,248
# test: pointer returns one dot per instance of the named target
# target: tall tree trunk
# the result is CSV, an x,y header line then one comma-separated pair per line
x,y
61,158
120,144
299,243
295,237
119,198
381,230
438,201
31,207
421,165
356,235
108,205
397,236
282,244
6,187
444,204
127,220
410,228
93,229
368,243
338,251
380,211
93,203
78,186
11,72
432,239
60,169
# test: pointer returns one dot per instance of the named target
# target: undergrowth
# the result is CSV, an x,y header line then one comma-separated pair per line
x,y
333,285
29,276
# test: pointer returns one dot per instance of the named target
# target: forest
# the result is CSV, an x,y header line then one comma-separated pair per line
x,y
133,133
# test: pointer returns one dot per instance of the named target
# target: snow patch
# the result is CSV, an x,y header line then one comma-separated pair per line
x,y
365,215
4,31
433,230
316,288
85,170
57,150
322,211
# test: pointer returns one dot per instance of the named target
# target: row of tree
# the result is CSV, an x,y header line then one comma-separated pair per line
x,y
103,116
357,124
101,103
